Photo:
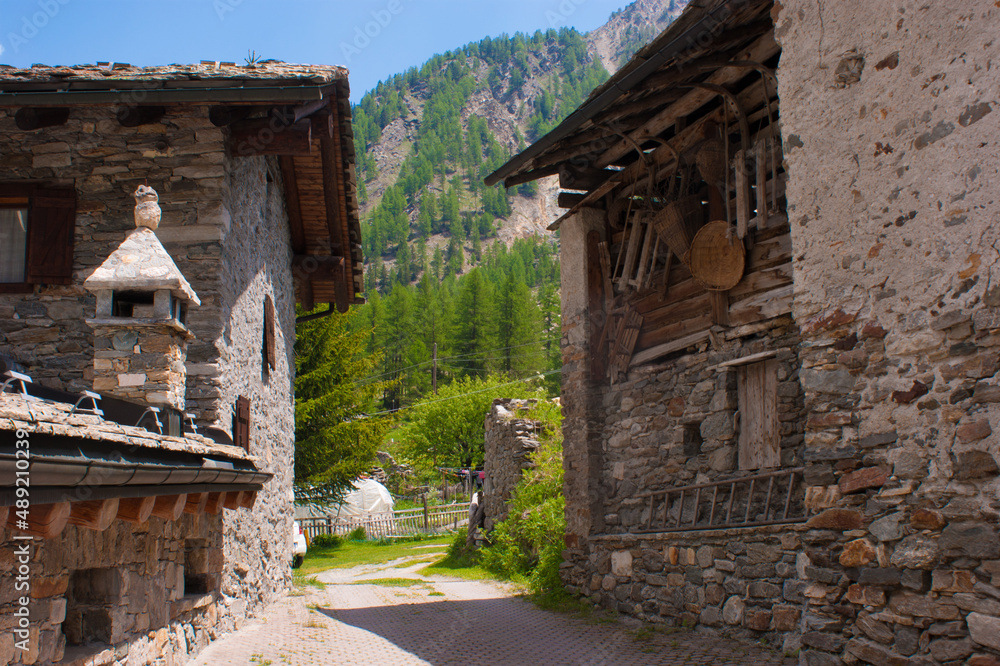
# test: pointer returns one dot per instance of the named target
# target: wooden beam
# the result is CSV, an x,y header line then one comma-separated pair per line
x,y
214,503
169,507
94,514
44,520
136,509
595,307
569,199
652,353
308,299
196,503
293,206
222,115
720,307
267,136
233,500
528,176
318,267
38,118
134,116
249,497
572,178
761,50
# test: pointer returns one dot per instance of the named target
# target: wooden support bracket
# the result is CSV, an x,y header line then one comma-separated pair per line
x,y
267,136
195,503
44,520
94,514
136,509
169,507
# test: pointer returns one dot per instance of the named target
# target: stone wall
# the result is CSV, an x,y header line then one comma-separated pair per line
x,y
892,199
510,440
148,593
225,226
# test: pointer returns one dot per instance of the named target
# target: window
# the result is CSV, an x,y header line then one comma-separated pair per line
x,y
13,242
36,236
760,440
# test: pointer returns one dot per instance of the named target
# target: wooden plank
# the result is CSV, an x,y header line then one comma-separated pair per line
x,y
745,360
135,509
595,305
267,136
573,178
771,429
720,307
742,194
633,248
169,507
647,247
766,305
760,181
762,280
94,514
653,353
759,441
44,520
569,199
233,500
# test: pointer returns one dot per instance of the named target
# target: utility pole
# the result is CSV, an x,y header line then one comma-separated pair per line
x,y
434,377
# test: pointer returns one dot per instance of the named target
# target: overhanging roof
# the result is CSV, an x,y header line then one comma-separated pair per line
x,y
319,171
639,106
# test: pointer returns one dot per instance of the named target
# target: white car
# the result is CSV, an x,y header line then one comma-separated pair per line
x,y
299,545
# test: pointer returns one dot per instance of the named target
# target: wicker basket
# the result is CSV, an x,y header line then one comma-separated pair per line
x,y
711,161
674,223
717,258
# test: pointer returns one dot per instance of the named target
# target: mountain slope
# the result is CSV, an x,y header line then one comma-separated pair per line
x,y
428,136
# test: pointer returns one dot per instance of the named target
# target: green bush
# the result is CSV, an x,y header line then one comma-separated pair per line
x,y
528,544
327,541
357,534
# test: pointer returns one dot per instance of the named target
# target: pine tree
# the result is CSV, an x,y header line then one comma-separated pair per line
x,y
473,330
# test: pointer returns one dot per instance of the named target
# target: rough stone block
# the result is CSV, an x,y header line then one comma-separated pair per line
x,y
732,610
916,551
837,519
972,539
908,603
873,653
621,563
877,631
927,519
885,576
952,581
857,553
984,629
888,528
975,465
862,479
824,641
865,595
785,618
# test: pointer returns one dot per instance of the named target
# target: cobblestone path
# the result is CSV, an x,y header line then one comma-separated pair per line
x,y
435,620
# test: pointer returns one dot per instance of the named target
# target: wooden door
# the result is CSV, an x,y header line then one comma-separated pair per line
x,y
760,440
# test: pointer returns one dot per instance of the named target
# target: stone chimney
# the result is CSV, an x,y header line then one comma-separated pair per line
x,y
140,340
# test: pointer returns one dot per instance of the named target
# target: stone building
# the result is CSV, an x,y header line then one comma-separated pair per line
x,y
156,354
780,333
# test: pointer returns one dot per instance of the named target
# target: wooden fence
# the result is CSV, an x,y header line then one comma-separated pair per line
x,y
396,523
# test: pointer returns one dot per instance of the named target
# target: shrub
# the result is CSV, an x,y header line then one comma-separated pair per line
x,y
357,534
327,541
528,544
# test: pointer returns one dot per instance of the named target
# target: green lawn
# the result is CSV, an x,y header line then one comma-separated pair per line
x,y
353,553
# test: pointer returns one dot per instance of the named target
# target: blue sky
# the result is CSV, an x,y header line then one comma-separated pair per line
x,y
373,38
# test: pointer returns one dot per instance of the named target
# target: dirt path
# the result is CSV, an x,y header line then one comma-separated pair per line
x,y
404,618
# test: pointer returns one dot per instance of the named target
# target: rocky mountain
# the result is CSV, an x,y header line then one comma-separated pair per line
x,y
427,137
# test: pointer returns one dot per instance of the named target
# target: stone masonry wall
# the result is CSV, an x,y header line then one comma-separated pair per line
x,y
892,199
149,593
225,226
673,423
510,441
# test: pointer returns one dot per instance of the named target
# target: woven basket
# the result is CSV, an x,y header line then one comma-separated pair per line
x,y
717,258
674,223
711,161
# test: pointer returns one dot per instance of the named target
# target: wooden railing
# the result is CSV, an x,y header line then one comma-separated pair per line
x,y
772,498
396,523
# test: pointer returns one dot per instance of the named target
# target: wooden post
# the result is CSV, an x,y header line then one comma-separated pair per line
x,y
426,516
94,514
169,507
136,509
44,520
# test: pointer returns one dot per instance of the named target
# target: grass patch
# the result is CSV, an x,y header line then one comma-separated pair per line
x,y
435,593
363,552
391,582
410,563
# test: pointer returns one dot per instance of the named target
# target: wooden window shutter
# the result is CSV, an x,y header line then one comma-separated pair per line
x,y
760,438
269,355
241,423
51,226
